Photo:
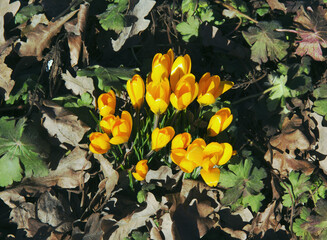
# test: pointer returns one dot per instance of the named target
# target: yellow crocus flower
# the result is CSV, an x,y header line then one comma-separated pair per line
x,y
157,96
107,103
161,137
141,170
136,89
219,122
100,143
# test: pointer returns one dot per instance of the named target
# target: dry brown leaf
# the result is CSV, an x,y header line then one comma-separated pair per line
x,y
52,211
140,10
78,85
5,8
125,226
62,124
33,22
22,213
110,174
267,220
275,4
284,147
6,83
75,29
40,38
163,177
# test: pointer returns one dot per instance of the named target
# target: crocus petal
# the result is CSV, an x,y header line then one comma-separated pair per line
x,y
224,86
219,122
181,66
141,170
177,155
181,140
211,177
99,143
187,166
136,89
161,137
227,153
119,140
107,103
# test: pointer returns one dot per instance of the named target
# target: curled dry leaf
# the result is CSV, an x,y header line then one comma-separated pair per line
x,y
266,220
78,84
125,226
5,8
140,10
163,177
75,29
285,148
62,124
6,83
40,38
275,4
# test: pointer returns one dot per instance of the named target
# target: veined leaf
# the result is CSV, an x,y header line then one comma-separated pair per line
x,y
16,147
245,183
190,28
266,42
113,18
108,77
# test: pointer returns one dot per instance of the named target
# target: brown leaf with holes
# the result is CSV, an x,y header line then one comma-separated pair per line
x,y
75,29
275,4
40,38
5,8
62,124
288,149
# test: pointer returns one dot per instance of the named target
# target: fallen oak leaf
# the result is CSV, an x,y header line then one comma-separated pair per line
x,y
6,83
62,124
75,29
275,4
40,38
6,7
140,10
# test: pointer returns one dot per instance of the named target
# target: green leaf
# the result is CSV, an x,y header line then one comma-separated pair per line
x,y
15,147
188,6
316,223
206,14
23,85
27,12
136,235
141,196
266,42
320,107
279,91
320,92
244,183
299,187
190,28
108,77
113,18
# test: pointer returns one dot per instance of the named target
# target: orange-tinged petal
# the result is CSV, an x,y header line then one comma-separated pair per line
x,y
181,140
128,118
180,67
177,155
211,177
227,153
107,103
141,170
199,142
224,86
99,143
107,122
219,122
161,137
187,166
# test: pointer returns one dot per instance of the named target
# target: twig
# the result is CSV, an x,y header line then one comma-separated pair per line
x,y
236,11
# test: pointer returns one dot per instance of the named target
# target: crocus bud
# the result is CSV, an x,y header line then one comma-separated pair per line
x,y
141,170
161,66
135,89
121,128
185,92
157,96
219,122
161,137
181,66
99,143
210,88
107,103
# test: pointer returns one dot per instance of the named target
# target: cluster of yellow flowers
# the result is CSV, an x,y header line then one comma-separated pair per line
x,y
170,81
